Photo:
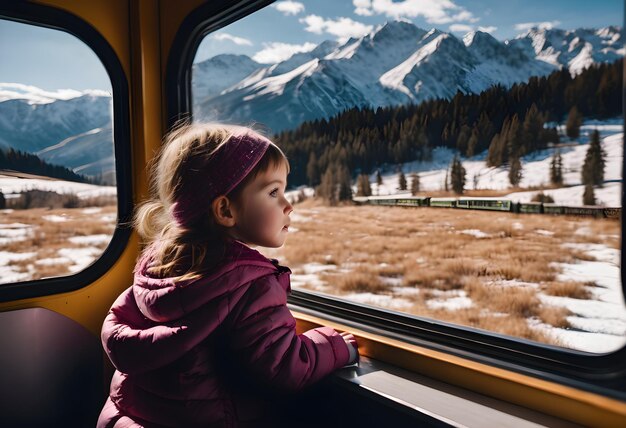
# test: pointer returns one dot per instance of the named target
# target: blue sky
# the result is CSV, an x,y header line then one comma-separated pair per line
x,y
267,34
54,60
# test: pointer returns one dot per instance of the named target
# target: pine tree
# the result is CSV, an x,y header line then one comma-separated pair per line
x,y
515,171
556,169
415,184
593,168
344,190
589,197
312,170
574,120
472,144
402,181
363,186
327,189
3,201
379,178
532,127
457,176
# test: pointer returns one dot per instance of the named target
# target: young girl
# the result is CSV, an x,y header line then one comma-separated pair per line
x,y
204,334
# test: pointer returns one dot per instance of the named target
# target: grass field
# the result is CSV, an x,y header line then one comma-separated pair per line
x,y
486,270
40,242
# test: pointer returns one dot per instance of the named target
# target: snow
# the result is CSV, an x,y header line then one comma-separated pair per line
x,y
51,261
7,272
475,233
605,316
383,300
13,186
82,257
394,78
536,170
451,301
55,218
14,232
275,85
91,239
92,210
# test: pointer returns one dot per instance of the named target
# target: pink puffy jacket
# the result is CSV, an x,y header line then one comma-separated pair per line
x,y
206,352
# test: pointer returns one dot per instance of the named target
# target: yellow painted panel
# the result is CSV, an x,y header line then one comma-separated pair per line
x,y
108,17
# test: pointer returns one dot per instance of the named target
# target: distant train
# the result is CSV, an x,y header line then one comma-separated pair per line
x,y
491,204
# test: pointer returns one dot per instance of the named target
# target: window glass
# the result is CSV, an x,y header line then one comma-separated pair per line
x,y
460,162
58,203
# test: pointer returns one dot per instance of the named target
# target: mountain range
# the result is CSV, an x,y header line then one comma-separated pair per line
x,y
398,63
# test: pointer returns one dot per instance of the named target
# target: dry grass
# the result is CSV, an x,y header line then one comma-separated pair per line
x,y
575,290
435,251
46,238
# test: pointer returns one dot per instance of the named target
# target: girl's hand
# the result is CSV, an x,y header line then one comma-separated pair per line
x,y
353,346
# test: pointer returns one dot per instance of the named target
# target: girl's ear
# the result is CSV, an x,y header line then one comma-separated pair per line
x,y
222,210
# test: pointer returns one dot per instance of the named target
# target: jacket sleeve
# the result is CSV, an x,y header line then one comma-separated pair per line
x,y
262,335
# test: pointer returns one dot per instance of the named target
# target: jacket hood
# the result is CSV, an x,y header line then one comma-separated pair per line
x,y
168,299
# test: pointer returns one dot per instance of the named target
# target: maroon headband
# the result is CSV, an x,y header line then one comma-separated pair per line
x,y
203,181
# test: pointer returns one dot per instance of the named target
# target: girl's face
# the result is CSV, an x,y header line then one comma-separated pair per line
x,y
262,212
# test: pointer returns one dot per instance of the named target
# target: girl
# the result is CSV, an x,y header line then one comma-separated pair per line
x,y
204,331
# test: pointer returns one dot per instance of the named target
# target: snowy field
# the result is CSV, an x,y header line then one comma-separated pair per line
x,y
596,324
11,187
536,170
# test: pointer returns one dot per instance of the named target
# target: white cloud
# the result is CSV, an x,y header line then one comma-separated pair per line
x,y
276,52
289,7
547,25
363,7
461,28
489,29
35,95
236,40
342,28
433,11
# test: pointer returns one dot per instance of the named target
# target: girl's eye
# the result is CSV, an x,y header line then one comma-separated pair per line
x,y
274,193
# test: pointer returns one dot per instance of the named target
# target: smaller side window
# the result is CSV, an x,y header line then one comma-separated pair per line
x,y
58,194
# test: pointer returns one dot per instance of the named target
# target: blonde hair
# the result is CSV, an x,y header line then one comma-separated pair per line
x,y
184,251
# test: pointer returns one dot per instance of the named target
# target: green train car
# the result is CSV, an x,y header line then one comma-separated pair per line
x,y
492,204
553,209
443,202
413,201
528,207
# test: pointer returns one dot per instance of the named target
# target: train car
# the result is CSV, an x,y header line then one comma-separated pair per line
x,y
614,213
414,369
383,200
585,211
443,202
491,204
361,200
529,207
413,201
553,209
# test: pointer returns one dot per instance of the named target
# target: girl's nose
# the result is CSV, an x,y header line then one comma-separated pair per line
x,y
288,208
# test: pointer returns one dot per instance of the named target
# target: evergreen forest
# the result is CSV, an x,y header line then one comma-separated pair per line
x,y
507,122
17,160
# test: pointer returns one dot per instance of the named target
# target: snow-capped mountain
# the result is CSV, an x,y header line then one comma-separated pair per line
x,y
575,49
33,127
219,73
71,131
398,63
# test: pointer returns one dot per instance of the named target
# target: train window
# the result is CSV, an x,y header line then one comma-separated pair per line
x,y
58,195
451,162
